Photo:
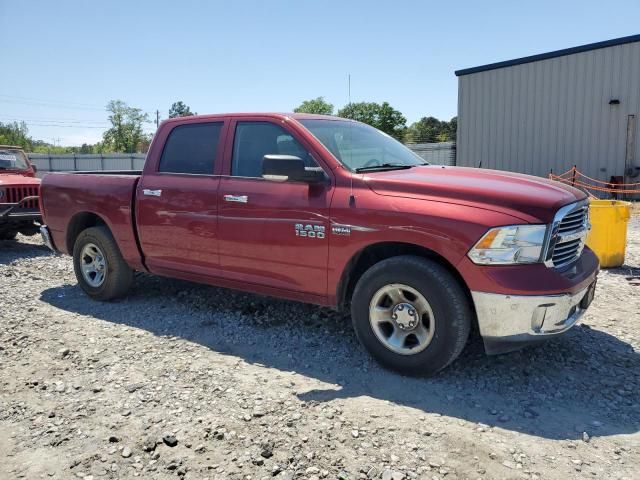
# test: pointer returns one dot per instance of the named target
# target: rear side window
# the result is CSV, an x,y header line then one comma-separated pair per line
x,y
191,149
254,140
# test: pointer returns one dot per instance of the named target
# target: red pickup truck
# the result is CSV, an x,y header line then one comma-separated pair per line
x,y
336,213
19,211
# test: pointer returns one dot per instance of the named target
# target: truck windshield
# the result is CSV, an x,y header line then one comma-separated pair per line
x,y
11,159
360,147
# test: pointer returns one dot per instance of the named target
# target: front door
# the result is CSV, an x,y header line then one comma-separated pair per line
x,y
272,233
177,204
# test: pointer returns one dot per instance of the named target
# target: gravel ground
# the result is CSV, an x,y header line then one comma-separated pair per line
x,y
183,380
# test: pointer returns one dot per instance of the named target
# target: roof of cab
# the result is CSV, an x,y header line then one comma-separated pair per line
x,y
279,115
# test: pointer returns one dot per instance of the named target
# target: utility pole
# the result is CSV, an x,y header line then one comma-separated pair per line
x,y
157,119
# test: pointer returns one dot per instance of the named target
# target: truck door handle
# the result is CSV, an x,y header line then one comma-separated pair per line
x,y
236,198
152,193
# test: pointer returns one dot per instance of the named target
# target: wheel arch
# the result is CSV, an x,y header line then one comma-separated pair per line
x,y
80,222
365,258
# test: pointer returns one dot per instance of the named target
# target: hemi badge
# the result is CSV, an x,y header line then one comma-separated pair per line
x,y
340,230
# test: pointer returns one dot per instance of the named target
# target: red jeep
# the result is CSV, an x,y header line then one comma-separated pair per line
x,y
19,190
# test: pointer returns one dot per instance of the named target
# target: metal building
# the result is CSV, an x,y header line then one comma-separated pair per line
x,y
577,106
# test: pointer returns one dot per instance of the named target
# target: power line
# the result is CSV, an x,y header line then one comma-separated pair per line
x,y
32,101
44,104
52,120
65,102
64,126
18,100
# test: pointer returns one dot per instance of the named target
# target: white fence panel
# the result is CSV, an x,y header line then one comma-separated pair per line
x,y
443,153
81,162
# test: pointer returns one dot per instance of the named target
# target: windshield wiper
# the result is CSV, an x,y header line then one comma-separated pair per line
x,y
384,166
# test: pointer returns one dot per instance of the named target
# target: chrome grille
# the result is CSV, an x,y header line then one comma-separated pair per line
x,y
569,231
15,194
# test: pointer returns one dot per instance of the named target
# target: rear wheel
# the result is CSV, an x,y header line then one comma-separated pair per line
x,y
411,314
100,269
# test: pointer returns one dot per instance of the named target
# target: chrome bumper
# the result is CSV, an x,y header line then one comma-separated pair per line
x,y
46,237
508,322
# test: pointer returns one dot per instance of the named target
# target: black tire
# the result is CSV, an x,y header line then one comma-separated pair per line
x,y
118,275
448,302
8,235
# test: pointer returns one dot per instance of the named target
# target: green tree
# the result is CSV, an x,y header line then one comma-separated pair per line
x,y
15,133
125,134
381,116
431,130
316,105
425,130
180,109
453,129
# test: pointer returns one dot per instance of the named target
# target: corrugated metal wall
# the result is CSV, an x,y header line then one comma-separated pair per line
x,y
80,162
552,114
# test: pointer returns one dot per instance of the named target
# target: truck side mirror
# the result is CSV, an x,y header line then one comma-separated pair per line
x,y
283,168
35,169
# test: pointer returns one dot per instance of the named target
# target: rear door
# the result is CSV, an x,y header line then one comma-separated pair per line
x,y
272,233
177,202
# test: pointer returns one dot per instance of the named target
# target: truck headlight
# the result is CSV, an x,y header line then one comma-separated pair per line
x,y
510,245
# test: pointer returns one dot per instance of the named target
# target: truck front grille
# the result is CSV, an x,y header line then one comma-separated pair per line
x,y
568,235
15,194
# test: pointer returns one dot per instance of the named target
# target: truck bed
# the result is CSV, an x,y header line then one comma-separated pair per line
x,y
73,199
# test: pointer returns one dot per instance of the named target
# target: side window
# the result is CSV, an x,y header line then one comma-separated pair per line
x,y
254,140
191,149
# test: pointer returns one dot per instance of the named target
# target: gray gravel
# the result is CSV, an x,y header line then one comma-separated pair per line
x,y
183,380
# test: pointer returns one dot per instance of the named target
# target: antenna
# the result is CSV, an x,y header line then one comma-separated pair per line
x,y
352,197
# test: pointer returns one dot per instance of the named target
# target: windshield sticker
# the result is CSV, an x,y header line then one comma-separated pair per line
x,y
8,158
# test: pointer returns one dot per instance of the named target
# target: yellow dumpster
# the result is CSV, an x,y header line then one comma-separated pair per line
x,y
608,235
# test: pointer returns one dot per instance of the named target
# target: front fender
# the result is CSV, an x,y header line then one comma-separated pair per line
x,y
446,229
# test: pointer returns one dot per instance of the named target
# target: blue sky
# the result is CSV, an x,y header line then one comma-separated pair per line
x,y
65,59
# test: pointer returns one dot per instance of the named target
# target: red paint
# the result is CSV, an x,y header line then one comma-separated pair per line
x,y
191,232
16,185
18,177
65,196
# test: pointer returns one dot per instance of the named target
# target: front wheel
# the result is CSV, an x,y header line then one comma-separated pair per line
x,y
100,269
411,314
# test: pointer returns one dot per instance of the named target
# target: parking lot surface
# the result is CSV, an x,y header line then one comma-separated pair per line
x,y
185,380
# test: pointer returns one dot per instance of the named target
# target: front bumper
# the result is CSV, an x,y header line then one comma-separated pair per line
x,y
509,322
14,212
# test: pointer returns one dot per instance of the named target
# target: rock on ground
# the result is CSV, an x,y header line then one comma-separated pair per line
x,y
188,381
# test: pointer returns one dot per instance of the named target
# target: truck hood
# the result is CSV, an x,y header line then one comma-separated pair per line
x,y
8,179
532,199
